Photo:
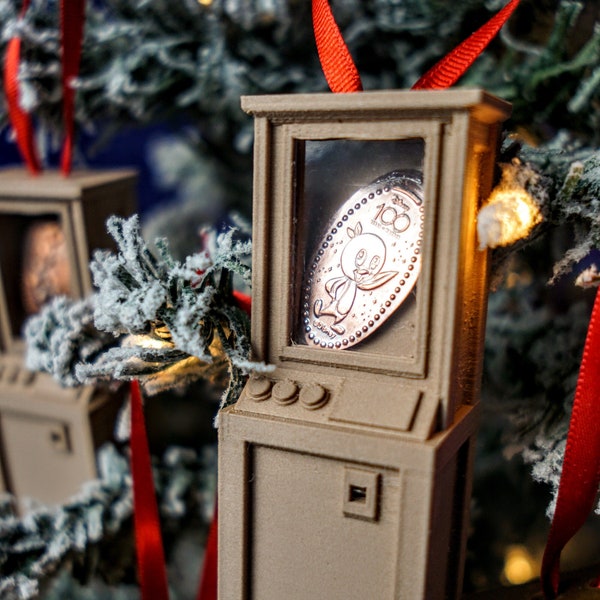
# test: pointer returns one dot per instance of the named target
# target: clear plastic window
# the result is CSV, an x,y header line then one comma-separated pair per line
x,y
34,264
361,210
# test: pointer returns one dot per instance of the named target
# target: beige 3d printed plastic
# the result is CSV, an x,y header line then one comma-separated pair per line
x,y
49,225
345,474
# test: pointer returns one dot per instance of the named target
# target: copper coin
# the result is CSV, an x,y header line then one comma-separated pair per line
x,y
46,268
366,264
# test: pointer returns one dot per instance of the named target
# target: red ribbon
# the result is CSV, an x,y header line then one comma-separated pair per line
x,y
448,70
152,572
341,72
339,68
580,475
20,120
208,580
243,301
72,20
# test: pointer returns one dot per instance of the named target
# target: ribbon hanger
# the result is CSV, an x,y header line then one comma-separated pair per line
x,y
341,72
72,18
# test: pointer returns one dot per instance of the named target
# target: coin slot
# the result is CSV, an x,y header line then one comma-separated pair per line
x,y
357,494
59,438
362,494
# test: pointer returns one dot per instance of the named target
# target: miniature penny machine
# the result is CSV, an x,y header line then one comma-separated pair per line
x,y
49,225
345,473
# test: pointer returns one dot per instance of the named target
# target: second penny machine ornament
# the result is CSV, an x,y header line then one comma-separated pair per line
x,y
346,472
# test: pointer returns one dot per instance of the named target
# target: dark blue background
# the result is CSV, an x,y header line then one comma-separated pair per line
x,y
126,149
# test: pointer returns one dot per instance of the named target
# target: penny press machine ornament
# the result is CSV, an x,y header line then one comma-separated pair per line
x,y
346,472
49,225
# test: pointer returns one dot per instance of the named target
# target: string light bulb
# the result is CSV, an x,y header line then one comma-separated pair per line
x,y
588,278
145,341
509,214
519,565
159,337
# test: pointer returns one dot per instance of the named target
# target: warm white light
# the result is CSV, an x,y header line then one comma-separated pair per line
x,y
590,277
145,341
509,215
519,565
176,376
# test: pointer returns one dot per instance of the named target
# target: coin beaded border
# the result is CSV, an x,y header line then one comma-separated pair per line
x,y
364,330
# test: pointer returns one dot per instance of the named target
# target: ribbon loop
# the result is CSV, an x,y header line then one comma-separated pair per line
x,y
72,21
19,119
453,66
341,72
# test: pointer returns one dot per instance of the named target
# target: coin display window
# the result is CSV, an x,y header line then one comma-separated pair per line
x,y
36,256
363,215
49,226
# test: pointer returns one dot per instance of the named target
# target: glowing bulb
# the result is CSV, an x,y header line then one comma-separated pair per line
x,y
508,215
145,341
160,337
510,212
519,565
590,277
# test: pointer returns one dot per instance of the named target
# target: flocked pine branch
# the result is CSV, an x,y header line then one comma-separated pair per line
x,y
165,322
572,190
562,178
535,332
533,347
64,336
548,68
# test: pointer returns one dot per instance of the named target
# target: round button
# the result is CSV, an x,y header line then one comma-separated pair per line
x,y
313,396
259,388
285,392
